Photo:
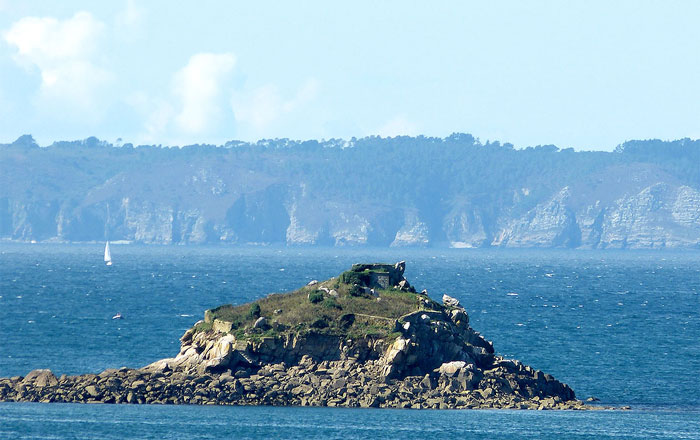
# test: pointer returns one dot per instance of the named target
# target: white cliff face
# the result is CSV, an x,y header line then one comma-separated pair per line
x,y
550,224
349,229
686,208
414,232
651,213
464,228
297,232
148,223
589,221
660,216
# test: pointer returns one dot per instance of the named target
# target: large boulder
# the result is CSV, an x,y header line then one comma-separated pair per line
x,y
449,301
40,378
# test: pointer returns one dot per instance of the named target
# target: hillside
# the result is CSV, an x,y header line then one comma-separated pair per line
x,y
403,191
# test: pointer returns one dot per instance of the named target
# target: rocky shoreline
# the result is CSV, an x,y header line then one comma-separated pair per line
x,y
427,358
334,384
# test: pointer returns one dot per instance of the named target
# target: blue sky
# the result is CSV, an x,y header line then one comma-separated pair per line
x,y
587,74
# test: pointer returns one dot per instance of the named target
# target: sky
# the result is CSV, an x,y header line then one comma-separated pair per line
x,y
588,75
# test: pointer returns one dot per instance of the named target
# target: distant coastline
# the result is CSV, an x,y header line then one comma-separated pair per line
x,y
402,192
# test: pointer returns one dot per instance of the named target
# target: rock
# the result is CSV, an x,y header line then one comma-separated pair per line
x,y
261,323
450,302
92,391
40,378
428,382
312,283
451,368
333,293
222,326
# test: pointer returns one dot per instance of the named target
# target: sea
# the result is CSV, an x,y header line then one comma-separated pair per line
x,y
620,326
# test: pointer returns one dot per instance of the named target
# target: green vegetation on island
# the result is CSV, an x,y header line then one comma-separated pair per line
x,y
365,301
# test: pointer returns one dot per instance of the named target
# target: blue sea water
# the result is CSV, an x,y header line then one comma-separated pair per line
x,y
621,326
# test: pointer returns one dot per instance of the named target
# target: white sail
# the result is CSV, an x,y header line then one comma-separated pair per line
x,y
108,255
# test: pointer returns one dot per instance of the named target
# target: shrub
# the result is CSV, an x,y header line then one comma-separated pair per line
x,y
254,311
356,291
316,297
346,321
331,303
350,277
319,323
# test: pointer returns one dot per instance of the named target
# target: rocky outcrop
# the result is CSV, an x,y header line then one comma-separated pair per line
x,y
552,224
414,232
432,359
507,385
464,227
660,216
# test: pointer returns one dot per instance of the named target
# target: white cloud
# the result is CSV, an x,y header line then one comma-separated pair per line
x,y
131,16
129,23
397,126
61,51
198,87
264,105
156,114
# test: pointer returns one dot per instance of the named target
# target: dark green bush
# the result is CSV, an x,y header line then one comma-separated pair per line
x,y
356,291
350,277
254,311
319,323
347,320
316,297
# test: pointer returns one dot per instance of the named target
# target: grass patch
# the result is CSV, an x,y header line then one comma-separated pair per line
x,y
203,326
308,309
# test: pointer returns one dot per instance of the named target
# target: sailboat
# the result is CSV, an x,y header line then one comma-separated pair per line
x,y
108,255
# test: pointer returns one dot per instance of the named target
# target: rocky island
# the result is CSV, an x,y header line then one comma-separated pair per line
x,y
366,338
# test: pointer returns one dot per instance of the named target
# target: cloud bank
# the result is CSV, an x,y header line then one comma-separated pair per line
x,y
62,52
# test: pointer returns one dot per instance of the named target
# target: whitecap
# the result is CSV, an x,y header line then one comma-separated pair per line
x,y
512,294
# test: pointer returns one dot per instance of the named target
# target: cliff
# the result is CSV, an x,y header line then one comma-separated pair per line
x,y
404,191
363,339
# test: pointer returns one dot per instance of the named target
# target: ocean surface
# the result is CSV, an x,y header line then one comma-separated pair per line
x,y
621,326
